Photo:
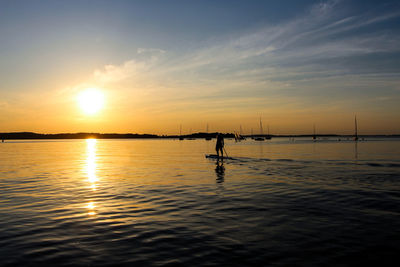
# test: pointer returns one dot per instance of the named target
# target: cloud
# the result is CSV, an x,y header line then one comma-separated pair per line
x,y
322,33
144,60
307,57
324,8
151,51
113,73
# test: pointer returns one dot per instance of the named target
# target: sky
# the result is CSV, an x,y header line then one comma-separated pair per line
x,y
225,64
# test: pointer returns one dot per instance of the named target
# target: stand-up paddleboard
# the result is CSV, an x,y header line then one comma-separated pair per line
x,y
214,156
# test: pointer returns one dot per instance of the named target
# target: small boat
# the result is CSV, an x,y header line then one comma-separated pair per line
x,y
260,138
268,137
239,137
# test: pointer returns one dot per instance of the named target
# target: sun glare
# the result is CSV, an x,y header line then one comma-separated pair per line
x,y
91,100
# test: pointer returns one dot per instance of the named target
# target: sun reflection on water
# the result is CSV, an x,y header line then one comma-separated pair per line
x,y
90,206
91,145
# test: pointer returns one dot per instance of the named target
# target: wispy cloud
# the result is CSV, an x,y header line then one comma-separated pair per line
x,y
113,73
145,59
308,57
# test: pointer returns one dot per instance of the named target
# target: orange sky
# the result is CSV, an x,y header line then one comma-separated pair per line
x,y
321,64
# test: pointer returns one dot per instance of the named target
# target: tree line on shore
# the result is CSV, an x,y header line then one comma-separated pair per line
x,y
31,135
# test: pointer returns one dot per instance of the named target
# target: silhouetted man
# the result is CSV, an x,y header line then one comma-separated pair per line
x,y
220,145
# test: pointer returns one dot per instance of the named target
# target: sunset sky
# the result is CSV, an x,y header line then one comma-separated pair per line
x,y
162,64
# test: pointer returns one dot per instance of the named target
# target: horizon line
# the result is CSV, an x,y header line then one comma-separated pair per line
x,y
86,135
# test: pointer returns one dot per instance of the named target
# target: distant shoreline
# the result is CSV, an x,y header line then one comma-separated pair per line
x,y
31,135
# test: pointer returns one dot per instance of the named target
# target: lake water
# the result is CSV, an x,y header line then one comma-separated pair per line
x,y
162,203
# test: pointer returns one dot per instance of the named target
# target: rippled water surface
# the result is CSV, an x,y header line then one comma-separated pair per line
x,y
161,202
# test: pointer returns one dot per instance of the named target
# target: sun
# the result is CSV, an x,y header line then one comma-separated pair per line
x,y
91,100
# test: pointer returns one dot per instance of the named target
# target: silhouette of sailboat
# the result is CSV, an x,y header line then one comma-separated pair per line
x,y
260,138
314,136
180,133
208,138
355,129
238,136
268,137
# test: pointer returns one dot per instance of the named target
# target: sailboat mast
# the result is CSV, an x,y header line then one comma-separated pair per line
x,y
355,126
314,136
261,129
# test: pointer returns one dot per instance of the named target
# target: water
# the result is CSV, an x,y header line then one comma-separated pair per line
x,y
162,203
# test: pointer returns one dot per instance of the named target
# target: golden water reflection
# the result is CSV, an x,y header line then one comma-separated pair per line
x,y
90,168
91,208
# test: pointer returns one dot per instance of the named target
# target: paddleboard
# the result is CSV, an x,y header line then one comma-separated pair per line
x,y
214,156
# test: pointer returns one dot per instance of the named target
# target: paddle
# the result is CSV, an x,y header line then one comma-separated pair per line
x,y
226,153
